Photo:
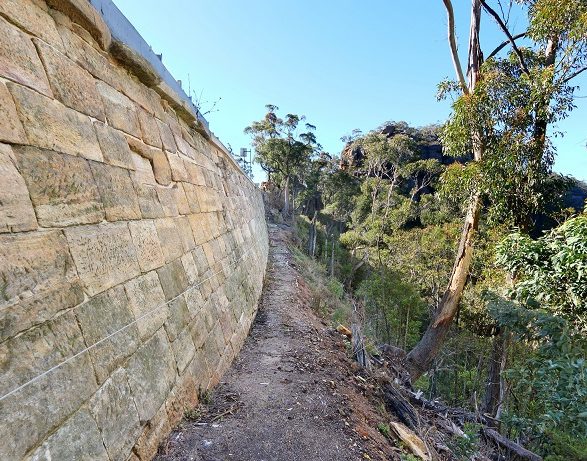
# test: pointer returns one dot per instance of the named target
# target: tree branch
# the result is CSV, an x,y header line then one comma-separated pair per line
x,y
574,74
453,46
505,30
504,44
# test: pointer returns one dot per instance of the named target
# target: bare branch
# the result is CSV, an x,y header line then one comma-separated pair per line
x,y
505,30
453,46
574,74
504,44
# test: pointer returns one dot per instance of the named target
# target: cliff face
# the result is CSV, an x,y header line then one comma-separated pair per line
x,y
132,246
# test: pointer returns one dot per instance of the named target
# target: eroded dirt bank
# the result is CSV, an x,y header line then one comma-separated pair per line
x,y
292,394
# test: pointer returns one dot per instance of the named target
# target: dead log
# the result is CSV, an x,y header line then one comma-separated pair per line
x,y
512,447
399,406
359,349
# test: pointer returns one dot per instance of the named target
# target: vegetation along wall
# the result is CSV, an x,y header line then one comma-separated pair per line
x,y
132,247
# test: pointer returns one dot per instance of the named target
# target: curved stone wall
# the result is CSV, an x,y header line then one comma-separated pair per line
x,y
132,247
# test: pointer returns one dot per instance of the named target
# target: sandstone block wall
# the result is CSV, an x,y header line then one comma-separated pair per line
x,y
132,247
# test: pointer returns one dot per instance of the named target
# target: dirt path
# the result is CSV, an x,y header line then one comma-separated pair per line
x,y
292,394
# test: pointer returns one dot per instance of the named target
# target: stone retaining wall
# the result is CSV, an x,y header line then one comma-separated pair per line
x,y
132,247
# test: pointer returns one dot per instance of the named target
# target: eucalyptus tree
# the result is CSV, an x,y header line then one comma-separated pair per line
x,y
281,150
501,114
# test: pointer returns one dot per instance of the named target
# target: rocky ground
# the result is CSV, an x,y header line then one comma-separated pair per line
x,y
294,393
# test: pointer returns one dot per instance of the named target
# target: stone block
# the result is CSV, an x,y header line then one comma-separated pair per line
x,y
19,61
147,302
114,147
61,187
71,84
32,17
181,199
173,279
161,168
115,412
166,137
178,171
120,111
183,350
38,409
51,125
185,233
151,374
143,171
199,332
11,129
178,317
16,209
104,255
171,243
139,147
77,439
168,200
118,196
194,301
146,241
190,268
149,129
104,315
157,429
148,201
191,197
195,173
38,280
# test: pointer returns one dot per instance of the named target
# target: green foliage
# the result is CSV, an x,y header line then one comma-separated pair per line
x,y
559,446
551,271
384,429
465,447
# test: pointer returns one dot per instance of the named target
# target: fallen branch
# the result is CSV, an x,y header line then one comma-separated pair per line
x,y
513,447
398,405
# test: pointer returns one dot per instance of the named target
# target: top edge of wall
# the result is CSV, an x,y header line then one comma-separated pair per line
x,y
124,32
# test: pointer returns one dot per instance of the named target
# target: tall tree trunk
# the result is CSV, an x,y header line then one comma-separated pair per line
x,y
286,198
494,390
421,357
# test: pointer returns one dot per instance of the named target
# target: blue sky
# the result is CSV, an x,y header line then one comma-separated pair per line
x,y
344,64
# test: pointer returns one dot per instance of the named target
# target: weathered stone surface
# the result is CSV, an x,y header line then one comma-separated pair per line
x,y
61,187
114,147
71,84
143,171
178,317
173,279
32,17
166,137
104,255
115,412
138,146
84,14
11,129
168,201
16,209
181,199
185,233
78,438
19,61
149,129
116,191
190,267
194,301
100,317
151,374
156,430
120,111
191,197
147,302
169,238
51,125
183,350
37,409
161,168
178,171
38,280
148,201
146,240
